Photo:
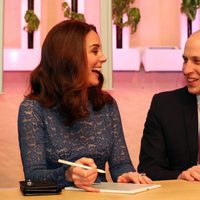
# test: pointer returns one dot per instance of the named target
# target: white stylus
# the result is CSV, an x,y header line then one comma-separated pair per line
x,y
78,165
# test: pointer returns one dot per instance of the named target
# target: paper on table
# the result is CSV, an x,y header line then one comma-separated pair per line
x,y
128,188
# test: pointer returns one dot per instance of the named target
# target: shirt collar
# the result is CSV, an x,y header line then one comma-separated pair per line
x,y
198,99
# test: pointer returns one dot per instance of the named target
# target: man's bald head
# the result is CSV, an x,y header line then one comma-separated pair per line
x,y
194,37
191,64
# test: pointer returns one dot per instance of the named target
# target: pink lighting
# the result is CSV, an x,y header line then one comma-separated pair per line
x,y
22,59
13,56
162,59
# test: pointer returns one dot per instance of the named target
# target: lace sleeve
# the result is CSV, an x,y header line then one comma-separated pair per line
x,y
119,161
31,129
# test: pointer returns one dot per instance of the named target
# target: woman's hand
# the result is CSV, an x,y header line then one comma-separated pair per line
x,y
134,177
83,178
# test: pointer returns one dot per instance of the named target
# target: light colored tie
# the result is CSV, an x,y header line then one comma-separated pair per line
x,y
198,161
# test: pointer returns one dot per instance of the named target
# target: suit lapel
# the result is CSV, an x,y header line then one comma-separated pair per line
x,y
191,123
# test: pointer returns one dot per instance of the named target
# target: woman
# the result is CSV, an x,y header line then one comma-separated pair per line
x,y
66,115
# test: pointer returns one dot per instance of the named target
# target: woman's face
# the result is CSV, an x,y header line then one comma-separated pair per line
x,y
95,57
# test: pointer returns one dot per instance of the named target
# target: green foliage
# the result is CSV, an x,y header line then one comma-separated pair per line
x,y
32,21
70,14
121,7
189,7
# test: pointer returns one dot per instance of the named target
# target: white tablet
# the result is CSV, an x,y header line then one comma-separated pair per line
x,y
128,188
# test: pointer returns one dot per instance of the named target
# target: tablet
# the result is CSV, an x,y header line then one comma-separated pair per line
x,y
127,188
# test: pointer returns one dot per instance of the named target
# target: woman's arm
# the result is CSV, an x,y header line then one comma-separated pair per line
x,y
119,161
31,130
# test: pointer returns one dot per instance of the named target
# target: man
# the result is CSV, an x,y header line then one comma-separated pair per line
x,y
170,147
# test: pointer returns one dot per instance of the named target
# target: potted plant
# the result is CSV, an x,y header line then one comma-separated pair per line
x,y
189,7
33,23
119,9
72,13
125,21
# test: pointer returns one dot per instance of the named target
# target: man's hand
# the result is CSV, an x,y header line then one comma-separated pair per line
x,y
191,174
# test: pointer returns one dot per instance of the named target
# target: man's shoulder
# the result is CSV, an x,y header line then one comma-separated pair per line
x,y
176,92
177,96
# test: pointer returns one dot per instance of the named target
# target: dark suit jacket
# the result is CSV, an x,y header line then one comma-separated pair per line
x,y
170,138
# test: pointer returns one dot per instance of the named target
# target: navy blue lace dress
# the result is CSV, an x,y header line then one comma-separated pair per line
x,y
44,139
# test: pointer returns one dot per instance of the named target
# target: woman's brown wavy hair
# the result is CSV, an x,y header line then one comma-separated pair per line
x,y
61,78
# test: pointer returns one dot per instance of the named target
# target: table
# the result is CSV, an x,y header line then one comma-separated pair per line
x,y
170,190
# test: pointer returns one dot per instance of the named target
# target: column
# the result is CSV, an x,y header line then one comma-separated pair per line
x,y
1,46
106,39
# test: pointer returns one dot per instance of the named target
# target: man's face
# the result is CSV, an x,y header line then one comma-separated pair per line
x,y
191,64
